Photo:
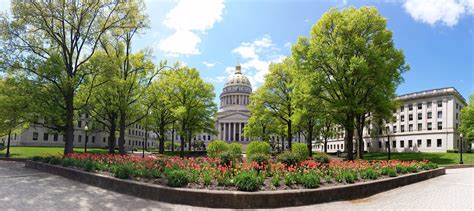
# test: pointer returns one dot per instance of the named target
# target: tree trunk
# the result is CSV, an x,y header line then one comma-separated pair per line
x,y
325,144
309,142
360,134
122,128
172,138
162,139
69,133
113,128
349,127
183,128
189,139
8,143
289,134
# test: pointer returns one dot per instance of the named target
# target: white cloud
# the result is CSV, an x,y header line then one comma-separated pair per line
x,y
287,45
447,12
4,5
209,64
217,79
190,18
257,57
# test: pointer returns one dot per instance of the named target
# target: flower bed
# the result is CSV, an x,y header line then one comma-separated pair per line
x,y
210,173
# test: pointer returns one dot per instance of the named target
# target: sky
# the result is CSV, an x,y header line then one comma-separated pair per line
x,y
436,36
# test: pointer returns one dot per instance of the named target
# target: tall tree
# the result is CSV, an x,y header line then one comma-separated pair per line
x,y
353,55
69,32
277,94
467,120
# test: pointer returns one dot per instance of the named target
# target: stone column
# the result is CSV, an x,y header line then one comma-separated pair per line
x,y
238,131
225,132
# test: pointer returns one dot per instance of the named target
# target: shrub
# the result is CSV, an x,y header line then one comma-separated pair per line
x,y
391,172
276,180
258,147
36,158
66,162
260,158
349,176
123,171
90,166
235,149
300,150
310,180
215,148
369,174
55,160
401,169
291,178
247,181
177,178
46,159
226,157
428,166
321,157
288,158
207,178
413,168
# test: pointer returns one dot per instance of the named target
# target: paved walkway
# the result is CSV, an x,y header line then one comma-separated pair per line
x,y
28,189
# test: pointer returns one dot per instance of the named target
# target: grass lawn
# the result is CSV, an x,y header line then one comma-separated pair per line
x,y
28,152
438,158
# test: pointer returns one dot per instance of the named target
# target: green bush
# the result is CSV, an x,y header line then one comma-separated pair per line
x,y
46,159
401,169
123,171
215,148
310,180
177,178
391,172
235,149
288,158
349,176
226,157
291,178
428,166
55,160
207,178
36,158
90,166
276,180
321,157
247,181
413,168
258,147
66,162
260,158
369,174
300,150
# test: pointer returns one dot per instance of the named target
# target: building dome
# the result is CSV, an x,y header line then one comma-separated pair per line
x,y
237,78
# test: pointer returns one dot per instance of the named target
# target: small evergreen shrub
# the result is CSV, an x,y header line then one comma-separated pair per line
x,y
288,158
247,181
177,178
260,158
321,157
310,180
215,148
255,147
300,150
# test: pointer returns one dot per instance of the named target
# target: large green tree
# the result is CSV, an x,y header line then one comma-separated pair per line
x,y
64,32
467,120
354,58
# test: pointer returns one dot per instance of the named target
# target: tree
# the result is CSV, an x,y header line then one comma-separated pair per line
x,y
467,119
64,32
352,54
193,102
14,106
261,124
277,94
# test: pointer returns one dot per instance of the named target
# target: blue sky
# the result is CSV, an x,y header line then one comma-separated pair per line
x,y
437,36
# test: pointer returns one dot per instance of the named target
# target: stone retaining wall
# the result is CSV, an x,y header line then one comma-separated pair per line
x,y
237,199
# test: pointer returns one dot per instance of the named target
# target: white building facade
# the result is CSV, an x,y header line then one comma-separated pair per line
x,y
426,121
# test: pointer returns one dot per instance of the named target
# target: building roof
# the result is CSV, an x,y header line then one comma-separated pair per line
x,y
237,78
432,93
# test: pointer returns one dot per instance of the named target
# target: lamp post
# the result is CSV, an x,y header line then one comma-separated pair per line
x,y
144,144
460,151
388,141
85,142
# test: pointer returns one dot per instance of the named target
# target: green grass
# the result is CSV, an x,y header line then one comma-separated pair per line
x,y
29,152
438,158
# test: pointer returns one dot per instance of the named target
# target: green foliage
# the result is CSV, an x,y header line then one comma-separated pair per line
x,y
235,149
310,180
226,157
123,171
349,176
369,174
321,157
467,120
401,169
259,147
276,180
215,148
248,181
207,178
300,150
391,172
288,158
291,178
260,158
177,178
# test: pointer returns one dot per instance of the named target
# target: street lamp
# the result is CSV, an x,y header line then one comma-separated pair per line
x,y
85,142
460,151
388,141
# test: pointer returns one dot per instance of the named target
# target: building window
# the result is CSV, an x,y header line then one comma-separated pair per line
x,y
79,124
35,136
93,139
368,145
420,106
428,142
402,118
45,137
428,115
410,143
420,116
380,144
410,127
439,143
103,140
79,138
410,107
428,104
402,128
402,143
55,137
410,117
440,103
440,125
420,127
402,108
394,144
394,129
457,125
440,114
457,116
429,126
419,143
